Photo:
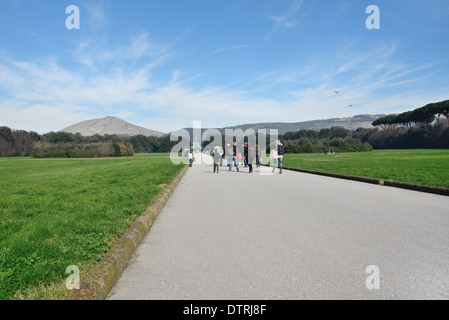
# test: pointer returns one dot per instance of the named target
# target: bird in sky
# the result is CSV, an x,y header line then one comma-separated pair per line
x,y
336,91
350,106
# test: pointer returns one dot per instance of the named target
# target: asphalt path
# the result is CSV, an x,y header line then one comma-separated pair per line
x,y
241,236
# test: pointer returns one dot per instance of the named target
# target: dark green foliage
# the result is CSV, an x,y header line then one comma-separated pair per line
x,y
144,144
386,121
81,150
413,129
423,115
16,143
116,148
59,137
444,139
310,134
405,119
6,134
68,145
420,137
338,139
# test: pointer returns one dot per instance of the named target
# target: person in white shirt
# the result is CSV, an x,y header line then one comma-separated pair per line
x,y
190,158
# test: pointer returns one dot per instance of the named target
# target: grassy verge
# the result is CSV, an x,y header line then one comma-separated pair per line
x,y
60,212
423,167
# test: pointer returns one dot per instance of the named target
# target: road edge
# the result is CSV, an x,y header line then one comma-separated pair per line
x,y
97,284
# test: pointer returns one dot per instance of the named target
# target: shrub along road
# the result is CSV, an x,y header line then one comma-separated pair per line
x,y
236,235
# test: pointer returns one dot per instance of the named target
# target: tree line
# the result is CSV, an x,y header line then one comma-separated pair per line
x,y
420,116
20,143
338,139
425,127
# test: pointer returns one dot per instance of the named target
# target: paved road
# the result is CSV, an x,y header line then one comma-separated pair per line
x,y
292,236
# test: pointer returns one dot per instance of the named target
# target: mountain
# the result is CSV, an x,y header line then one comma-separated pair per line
x,y
114,125
110,125
351,123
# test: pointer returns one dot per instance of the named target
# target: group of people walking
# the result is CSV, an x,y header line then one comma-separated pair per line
x,y
250,153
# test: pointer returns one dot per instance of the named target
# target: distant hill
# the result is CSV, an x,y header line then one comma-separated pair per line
x,y
114,125
110,125
351,123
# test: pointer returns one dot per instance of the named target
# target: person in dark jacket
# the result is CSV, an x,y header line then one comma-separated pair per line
x,y
280,155
245,154
251,155
234,158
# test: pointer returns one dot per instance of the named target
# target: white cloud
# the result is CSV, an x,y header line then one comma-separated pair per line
x,y
41,118
285,21
96,14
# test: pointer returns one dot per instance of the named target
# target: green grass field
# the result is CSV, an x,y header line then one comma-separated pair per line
x,y
423,167
60,212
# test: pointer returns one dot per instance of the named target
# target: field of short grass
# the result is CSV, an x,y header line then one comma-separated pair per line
x,y
423,167
60,212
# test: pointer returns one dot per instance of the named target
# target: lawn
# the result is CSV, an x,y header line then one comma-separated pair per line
x,y
60,212
423,167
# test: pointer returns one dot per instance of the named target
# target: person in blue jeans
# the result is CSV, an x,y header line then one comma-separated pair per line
x,y
280,155
234,158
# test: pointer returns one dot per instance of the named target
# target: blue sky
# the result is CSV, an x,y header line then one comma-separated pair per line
x,y
164,64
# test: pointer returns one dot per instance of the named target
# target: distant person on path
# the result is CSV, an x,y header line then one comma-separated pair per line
x,y
274,157
258,155
190,159
245,154
234,157
223,154
217,157
251,155
228,155
280,154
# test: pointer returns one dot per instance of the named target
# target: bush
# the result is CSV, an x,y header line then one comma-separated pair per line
x,y
92,150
